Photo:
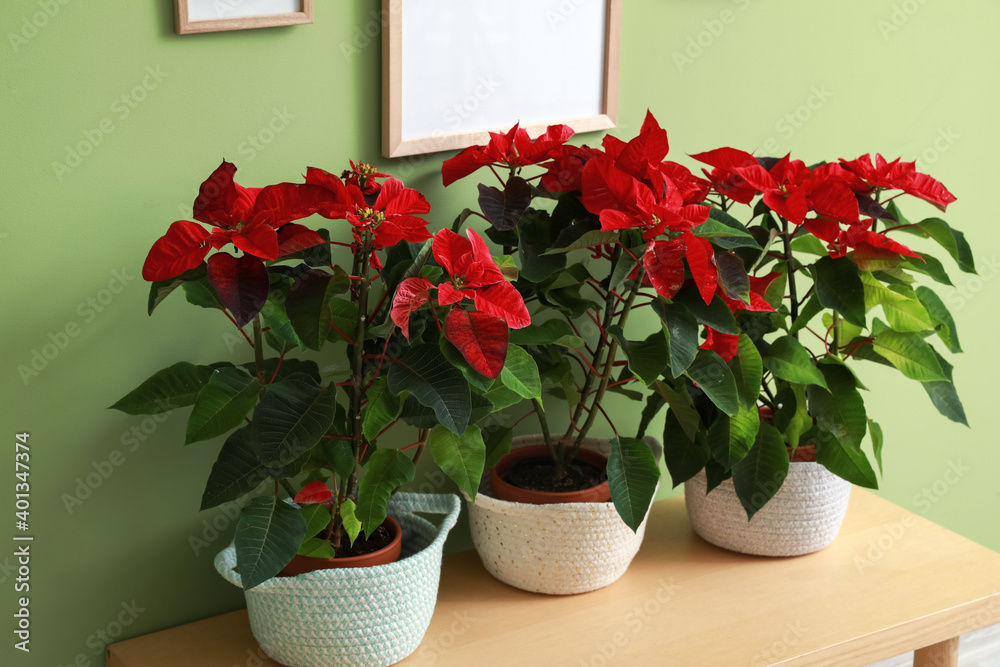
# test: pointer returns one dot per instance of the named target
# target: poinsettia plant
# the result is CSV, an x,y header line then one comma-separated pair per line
x,y
808,299
599,233
306,452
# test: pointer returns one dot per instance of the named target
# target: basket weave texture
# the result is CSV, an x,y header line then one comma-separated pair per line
x,y
803,516
364,617
558,549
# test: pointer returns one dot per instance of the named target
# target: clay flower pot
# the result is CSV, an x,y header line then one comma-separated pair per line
x,y
387,554
558,549
503,490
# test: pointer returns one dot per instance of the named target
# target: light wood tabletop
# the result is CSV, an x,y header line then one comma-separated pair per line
x,y
891,582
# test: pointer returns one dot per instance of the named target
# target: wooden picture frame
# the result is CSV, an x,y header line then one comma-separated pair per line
x,y
582,36
194,16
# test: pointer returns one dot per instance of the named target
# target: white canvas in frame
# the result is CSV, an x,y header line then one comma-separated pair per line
x,y
455,69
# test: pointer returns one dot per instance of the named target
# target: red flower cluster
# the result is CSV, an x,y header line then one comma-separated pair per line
x,y
481,335
511,150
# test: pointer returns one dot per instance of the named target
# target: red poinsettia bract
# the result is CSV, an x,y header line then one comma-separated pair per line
x,y
512,149
481,335
257,221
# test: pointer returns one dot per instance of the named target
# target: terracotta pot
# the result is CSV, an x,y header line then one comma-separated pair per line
x,y
385,555
507,491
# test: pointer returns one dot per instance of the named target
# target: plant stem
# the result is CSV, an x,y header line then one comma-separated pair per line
x,y
357,379
609,365
790,263
543,422
288,488
588,380
836,335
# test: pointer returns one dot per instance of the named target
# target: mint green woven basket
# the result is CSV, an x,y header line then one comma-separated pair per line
x,y
363,617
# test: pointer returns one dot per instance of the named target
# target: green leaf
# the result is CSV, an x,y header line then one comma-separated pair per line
x,y
339,455
840,408
268,535
876,433
911,354
497,445
647,359
716,314
714,378
845,330
748,369
520,373
904,313
308,304
839,286
632,479
944,396
759,475
654,403
788,360
682,406
809,310
173,387
624,267
279,326
588,239
317,518
808,243
433,381
730,438
349,519
463,458
940,317
387,470
343,317
382,409
236,471
222,404
682,335
931,266
315,547
292,418
684,456
201,293
554,331
950,239
733,276
800,421
844,460
725,231
161,289
501,397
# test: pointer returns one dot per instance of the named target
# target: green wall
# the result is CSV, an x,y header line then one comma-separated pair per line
x,y
912,78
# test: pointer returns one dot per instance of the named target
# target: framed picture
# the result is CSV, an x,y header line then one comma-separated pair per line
x,y
453,70
213,15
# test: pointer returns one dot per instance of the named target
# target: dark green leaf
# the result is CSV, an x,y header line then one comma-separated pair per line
x,y
426,374
876,433
788,360
941,318
733,276
910,353
387,470
759,475
308,304
730,438
554,331
714,378
810,309
520,373
682,331
840,408
839,286
201,293
931,266
173,387
647,359
235,473
382,409
497,443
161,289
950,239
222,404
725,231
844,460
462,458
716,314
292,418
747,368
943,394
684,456
632,478
268,535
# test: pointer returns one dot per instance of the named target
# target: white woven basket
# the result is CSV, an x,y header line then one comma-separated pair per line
x,y
363,617
803,516
557,549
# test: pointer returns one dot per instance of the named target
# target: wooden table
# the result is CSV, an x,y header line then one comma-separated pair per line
x,y
892,582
